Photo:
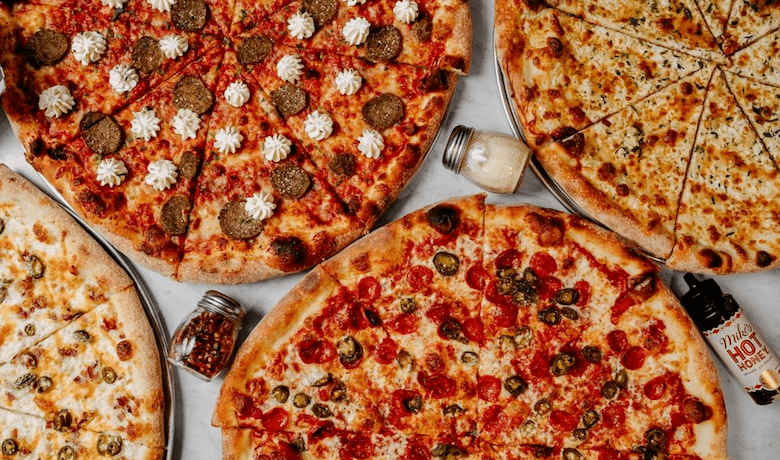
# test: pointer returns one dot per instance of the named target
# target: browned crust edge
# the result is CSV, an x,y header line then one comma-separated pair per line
x,y
462,35
262,343
236,444
595,203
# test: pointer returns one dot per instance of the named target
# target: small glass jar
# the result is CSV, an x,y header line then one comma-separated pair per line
x,y
204,342
493,161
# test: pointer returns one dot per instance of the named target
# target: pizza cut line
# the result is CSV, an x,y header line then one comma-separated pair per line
x,y
230,141
80,370
618,100
466,330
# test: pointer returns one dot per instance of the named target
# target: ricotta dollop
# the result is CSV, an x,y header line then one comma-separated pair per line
x,y
289,68
318,125
113,3
260,206
406,11
56,101
276,147
348,82
111,172
122,78
174,46
355,31
162,174
228,140
88,46
237,93
145,124
186,124
161,5
371,143
301,25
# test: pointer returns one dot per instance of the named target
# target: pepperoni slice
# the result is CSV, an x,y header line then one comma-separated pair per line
x,y
633,358
386,352
357,318
474,330
617,340
316,351
438,313
549,287
509,259
583,289
275,419
399,401
438,386
489,388
494,420
655,389
419,277
623,303
321,429
540,366
405,323
614,415
476,277
360,447
656,340
368,289
543,264
416,451
562,421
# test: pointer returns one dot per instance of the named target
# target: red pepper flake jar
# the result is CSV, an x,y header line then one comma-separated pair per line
x,y
204,342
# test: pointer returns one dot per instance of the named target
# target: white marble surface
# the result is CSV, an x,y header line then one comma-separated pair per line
x,y
754,431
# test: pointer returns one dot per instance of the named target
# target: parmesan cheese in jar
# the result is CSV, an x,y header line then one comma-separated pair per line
x,y
493,161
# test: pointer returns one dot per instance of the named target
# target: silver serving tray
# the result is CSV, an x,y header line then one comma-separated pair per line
x,y
554,187
152,314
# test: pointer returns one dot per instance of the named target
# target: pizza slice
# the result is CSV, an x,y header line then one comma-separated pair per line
x,y
761,104
716,14
367,126
566,74
247,14
759,61
434,34
261,207
65,65
52,271
726,219
749,21
612,167
190,18
131,175
676,25
421,276
546,288
100,373
28,437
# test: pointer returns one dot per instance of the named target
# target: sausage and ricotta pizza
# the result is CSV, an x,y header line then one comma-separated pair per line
x,y
657,118
79,367
466,330
230,141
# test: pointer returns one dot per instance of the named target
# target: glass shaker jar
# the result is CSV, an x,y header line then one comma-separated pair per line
x,y
204,342
493,161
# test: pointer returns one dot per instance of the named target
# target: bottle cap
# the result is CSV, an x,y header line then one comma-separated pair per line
x,y
218,302
456,147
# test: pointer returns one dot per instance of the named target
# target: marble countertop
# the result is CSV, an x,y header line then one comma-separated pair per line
x,y
754,431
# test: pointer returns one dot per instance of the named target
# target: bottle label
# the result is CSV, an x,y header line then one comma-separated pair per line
x,y
747,355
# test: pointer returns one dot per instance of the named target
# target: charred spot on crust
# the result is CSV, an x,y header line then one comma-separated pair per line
x,y
435,81
384,43
147,55
101,133
290,251
710,259
422,29
575,145
191,93
290,180
46,47
383,111
444,218
189,15
555,46
236,223
563,132
343,164
322,11
549,229
175,215
289,99
254,50
763,259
